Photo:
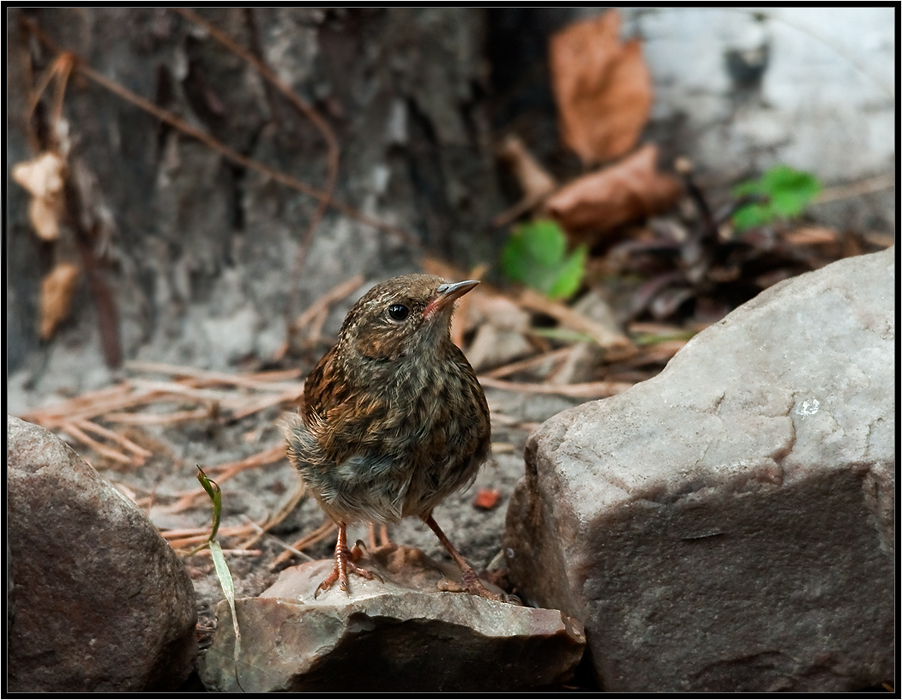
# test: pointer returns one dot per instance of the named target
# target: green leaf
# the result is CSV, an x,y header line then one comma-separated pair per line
x,y
750,188
787,191
228,589
750,216
535,255
569,275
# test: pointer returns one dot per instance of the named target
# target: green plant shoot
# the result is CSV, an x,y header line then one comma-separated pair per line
x,y
786,191
536,255
219,562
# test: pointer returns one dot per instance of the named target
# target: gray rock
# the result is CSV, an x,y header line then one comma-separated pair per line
x,y
401,634
728,525
102,603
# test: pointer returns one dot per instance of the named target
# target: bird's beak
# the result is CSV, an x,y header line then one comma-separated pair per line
x,y
446,294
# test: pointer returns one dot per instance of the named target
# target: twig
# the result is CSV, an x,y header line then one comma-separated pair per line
x,y
55,416
82,401
587,389
504,419
290,396
98,447
234,552
251,382
321,533
203,534
225,472
262,531
323,303
181,390
156,418
267,456
113,435
107,311
707,233
616,344
275,375
855,189
529,363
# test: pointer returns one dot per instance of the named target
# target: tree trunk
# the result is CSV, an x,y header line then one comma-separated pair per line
x,y
194,254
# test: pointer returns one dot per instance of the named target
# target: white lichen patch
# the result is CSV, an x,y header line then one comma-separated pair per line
x,y
808,408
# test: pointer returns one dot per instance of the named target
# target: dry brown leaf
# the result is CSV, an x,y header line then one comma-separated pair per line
x,y
44,178
44,217
628,190
602,88
57,289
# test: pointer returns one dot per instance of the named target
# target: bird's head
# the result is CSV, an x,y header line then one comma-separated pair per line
x,y
405,315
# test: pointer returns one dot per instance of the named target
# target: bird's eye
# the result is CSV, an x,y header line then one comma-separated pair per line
x,y
398,312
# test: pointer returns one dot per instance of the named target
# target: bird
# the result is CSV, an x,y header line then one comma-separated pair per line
x,y
393,419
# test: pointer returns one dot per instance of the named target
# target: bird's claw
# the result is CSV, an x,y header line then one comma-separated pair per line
x,y
471,584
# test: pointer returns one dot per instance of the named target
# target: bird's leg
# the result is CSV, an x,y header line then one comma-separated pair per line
x,y
371,535
344,564
469,578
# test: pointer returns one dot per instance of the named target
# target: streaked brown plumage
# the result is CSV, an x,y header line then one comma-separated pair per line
x,y
394,419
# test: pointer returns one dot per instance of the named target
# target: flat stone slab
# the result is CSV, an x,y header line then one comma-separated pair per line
x,y
728,525
402,634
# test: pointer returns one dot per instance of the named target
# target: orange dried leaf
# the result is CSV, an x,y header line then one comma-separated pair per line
x,y
486,499
44,217
602,88
57,289
629,190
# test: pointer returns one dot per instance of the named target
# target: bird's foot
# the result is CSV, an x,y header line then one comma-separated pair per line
x,y
471,584
344,565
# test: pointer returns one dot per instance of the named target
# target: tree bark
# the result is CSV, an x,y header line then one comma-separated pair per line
x,y
198,252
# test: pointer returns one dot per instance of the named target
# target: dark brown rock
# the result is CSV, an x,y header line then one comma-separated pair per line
x,y
102,603
401,634
728,525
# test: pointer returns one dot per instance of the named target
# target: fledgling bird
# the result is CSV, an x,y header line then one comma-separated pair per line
x,y
394,419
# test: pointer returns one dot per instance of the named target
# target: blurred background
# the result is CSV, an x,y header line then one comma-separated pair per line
x,y
182,187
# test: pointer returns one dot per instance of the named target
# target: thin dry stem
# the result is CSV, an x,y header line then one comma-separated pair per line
x,y
321,533
529,363
98,447
207,376
113,435
267,456
323,303
584,390
157,418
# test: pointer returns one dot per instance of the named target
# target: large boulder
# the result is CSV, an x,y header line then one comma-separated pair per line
x,y
101,602
398,634
728,525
